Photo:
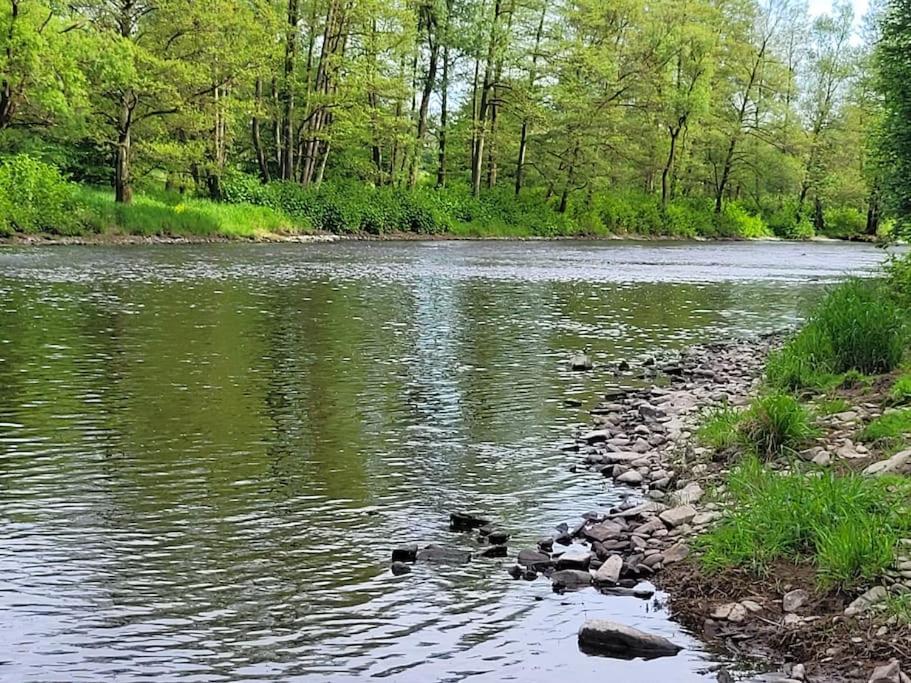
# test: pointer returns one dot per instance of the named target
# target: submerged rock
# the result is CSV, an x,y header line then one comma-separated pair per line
x,y
580,362
399,568
466,521
405,553
534,559
570,578
599,636
440,555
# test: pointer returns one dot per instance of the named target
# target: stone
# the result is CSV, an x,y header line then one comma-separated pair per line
x,y
678,516
602,532
648,411
580,362
732,611
570,578
466,521
676,553
900,463
866,601
498,537
405,553
689,495
798,672
704,518
534,560
794,600
631,477
609,571
399,568
596,436
644,590
440,555
751,605
494,551
823,459
650,527
575,557
600,636
887,673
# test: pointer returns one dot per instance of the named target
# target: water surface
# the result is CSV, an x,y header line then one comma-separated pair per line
x,y
207,452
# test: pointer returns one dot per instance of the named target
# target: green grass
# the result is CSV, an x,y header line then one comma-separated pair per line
x,y
719,430
846,526
898,605
174,215
857,329
889,430
901,389
775,424
831,406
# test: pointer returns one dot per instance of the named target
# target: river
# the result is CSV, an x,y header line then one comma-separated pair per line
x,y
207,452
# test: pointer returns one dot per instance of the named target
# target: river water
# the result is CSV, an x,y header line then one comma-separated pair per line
x,y
207,452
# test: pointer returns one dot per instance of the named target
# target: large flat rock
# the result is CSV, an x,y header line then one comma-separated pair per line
x,y
603,637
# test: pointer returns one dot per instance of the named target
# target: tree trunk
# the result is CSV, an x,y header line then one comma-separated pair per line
x,y
532,77
483,106
429,81
255,132
669,165
287,157
444,119
123,188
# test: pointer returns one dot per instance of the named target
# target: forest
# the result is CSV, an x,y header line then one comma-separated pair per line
x,y
739,118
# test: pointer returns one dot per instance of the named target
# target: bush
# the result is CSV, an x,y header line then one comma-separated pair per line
x,y
36,198
898,279
775,424
785,223
901,389
805,361
736,221
845,222
847,526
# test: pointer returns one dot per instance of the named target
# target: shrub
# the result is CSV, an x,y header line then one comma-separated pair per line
x,y
736,221
36,198
785,223
689,217
844,222
898,279
847,526
775,424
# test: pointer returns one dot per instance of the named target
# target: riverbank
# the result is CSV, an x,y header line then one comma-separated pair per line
x,y
123,239
647,440
776,521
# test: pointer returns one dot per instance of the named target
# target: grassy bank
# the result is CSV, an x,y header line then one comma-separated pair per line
x,y
833,401
35,200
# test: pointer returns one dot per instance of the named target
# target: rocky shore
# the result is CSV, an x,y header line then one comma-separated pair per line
x,y
643,440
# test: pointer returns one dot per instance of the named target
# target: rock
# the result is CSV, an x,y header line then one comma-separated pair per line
x,y
794,600
494,551
575,557
900,463
676,553
689,495
596,436
602,532
570,578
546,544
650,527
515,571
798,672
641,446
580,362
534,560
823,459
678,516
631,477
405,553
732,611
866,601
640,510
644,590
751,605
466,521
609,571
887,673
498,537
599,636
648,411
704,518
440,555
399,568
